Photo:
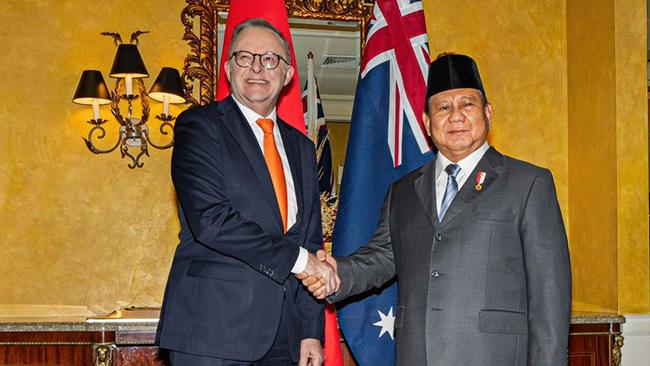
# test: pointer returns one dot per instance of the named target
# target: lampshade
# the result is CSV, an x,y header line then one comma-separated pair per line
x,y
91,87
128,62
168,83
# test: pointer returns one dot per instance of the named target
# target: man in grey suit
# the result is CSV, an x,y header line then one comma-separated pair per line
x,y
476,240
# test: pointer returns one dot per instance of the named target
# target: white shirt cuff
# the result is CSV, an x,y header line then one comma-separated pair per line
x,y
301,261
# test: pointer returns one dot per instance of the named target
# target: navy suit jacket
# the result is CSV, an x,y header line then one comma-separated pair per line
x,y
232,269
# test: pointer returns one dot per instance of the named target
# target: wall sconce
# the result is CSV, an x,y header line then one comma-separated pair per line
x,y
129,69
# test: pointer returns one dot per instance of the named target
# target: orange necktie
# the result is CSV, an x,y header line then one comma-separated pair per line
x,y
274,163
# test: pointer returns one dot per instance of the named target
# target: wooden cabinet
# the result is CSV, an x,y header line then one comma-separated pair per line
x,y
595,340
48,344
595,344
50,347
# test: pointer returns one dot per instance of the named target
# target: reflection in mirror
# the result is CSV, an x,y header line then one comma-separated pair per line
x,y
333,30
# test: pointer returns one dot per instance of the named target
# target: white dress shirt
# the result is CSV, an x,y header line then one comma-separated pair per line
x,y
467,165
292,205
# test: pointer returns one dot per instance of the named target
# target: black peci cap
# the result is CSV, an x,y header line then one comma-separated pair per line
x,y
453,71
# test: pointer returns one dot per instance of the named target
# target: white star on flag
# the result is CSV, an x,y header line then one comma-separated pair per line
x,y
387,323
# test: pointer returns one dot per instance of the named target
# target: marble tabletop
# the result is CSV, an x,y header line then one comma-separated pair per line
x,y
147,320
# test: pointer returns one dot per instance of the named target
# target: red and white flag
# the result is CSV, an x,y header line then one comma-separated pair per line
x,y
289,106
289,109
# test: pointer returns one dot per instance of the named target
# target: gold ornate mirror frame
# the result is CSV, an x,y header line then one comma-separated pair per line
x,y
201,63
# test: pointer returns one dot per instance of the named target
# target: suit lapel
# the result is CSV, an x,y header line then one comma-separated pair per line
x,y
425,188
236,124
488,164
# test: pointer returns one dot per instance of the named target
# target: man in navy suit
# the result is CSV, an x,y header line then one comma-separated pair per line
x,y
250,216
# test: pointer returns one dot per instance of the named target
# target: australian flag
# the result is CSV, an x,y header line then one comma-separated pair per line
x,y
387,140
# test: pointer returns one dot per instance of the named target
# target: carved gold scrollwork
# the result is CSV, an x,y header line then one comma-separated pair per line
x,y
616,350
313,6
201,63
329,208
326,9
104,354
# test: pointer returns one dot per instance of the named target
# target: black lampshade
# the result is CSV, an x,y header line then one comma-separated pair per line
x,y
453,71
128,62
168,83
91,87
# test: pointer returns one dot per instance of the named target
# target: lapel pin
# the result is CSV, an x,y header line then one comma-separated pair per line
x,y
480,178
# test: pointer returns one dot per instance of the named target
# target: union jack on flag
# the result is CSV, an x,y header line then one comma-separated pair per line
x,y
319,133
398,36
387,141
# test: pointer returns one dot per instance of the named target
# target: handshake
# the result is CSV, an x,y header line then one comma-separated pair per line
x,y
320,276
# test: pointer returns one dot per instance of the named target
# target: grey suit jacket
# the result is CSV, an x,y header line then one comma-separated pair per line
x,y
490,285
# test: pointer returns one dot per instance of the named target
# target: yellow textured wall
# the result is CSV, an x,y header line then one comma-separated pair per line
x,y
608,144
80,229
632,157
520,48
567,83
339,132
592,142
76,228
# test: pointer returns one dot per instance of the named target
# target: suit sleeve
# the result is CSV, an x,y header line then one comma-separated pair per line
x,y
198,176
371,265
548,274
311,310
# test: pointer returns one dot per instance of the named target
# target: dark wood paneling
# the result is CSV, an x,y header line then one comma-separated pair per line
x,y
50,348
140,356
591,348
46,355
582,359
89,337
135,337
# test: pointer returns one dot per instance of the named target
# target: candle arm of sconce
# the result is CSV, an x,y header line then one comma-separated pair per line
x,y
162,131
102,133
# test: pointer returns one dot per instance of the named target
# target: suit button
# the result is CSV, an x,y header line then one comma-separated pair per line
x,y
435,273
438,236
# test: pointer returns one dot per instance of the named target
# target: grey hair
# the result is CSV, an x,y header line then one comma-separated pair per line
x,y
263,24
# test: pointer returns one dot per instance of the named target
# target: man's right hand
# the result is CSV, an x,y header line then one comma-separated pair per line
x,y
320,283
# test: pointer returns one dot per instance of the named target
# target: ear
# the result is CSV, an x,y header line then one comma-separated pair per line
x,y
289,75
226,67
427,122
488,114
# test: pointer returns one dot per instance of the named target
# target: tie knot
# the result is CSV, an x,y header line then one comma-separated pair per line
x,y
452,170
266,124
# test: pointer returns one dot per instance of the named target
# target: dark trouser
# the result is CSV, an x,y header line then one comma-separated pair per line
x,y
278,355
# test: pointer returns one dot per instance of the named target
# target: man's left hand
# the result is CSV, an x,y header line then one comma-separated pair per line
x,y
311,352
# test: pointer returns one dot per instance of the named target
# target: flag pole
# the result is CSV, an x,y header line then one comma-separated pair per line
x,y
312,107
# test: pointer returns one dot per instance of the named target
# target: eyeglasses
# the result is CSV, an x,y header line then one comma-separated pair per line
x,y
268,60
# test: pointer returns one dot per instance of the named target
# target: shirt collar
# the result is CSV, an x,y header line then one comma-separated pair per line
x,y
252,116
466,164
